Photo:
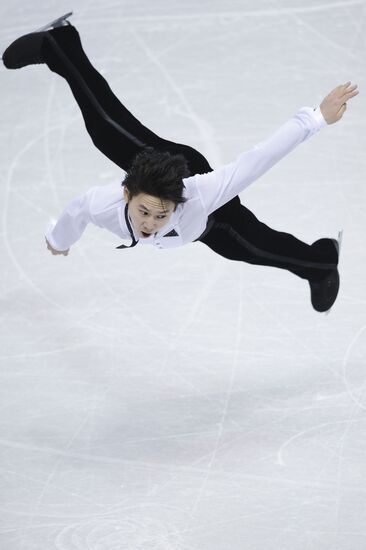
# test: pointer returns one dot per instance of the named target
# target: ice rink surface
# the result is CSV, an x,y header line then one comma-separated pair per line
x,y
175,400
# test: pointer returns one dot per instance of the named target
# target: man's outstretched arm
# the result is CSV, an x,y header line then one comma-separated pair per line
x,y
220,186
69,227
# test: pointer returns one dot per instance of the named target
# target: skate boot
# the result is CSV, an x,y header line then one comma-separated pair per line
x,y
324,290
27,49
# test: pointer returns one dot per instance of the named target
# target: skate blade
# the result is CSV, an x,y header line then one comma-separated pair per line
x,y
340,237
55,23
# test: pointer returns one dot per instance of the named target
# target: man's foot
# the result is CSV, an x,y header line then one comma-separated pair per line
x,y
27,50
24,51
324,290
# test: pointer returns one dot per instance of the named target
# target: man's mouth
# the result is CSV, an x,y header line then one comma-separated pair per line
x,y
144,234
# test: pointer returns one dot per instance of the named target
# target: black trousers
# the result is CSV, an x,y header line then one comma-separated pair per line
x,y
233,232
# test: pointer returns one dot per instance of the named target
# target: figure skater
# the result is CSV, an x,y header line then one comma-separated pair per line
x,y
170,195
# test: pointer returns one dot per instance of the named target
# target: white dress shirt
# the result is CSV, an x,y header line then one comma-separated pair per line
x,y
104,205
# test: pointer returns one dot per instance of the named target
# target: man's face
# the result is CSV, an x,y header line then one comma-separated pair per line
x,y
148,213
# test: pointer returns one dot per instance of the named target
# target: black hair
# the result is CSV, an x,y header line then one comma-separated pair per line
x,y
157,173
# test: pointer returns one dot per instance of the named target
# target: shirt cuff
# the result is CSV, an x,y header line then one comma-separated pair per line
x,y
317,114
48,234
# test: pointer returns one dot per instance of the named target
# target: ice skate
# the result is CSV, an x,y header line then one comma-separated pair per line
x,y
324,292
339,246
27,49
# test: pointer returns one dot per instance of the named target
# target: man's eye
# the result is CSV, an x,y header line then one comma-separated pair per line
x,y
161,217
143,213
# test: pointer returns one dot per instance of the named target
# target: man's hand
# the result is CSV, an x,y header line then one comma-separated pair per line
x,y
334,104
56,252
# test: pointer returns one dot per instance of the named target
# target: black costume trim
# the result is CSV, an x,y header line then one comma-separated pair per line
x,y
171,233
134,242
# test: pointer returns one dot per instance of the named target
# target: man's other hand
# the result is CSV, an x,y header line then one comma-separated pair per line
x,y
56,252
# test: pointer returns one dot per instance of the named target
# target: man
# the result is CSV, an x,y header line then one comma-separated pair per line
x,y
170,195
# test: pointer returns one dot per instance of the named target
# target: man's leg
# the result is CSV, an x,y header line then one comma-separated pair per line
x,y
237,234
112,128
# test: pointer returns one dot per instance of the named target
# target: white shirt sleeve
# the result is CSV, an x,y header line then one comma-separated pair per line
x,y
218,187
71,224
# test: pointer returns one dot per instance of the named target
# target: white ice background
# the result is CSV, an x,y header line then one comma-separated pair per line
x,y
175,400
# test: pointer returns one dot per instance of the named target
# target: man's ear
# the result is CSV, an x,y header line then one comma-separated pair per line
x,y
126,194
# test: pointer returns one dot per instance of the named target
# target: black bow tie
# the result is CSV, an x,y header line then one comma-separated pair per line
x,y
134,242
